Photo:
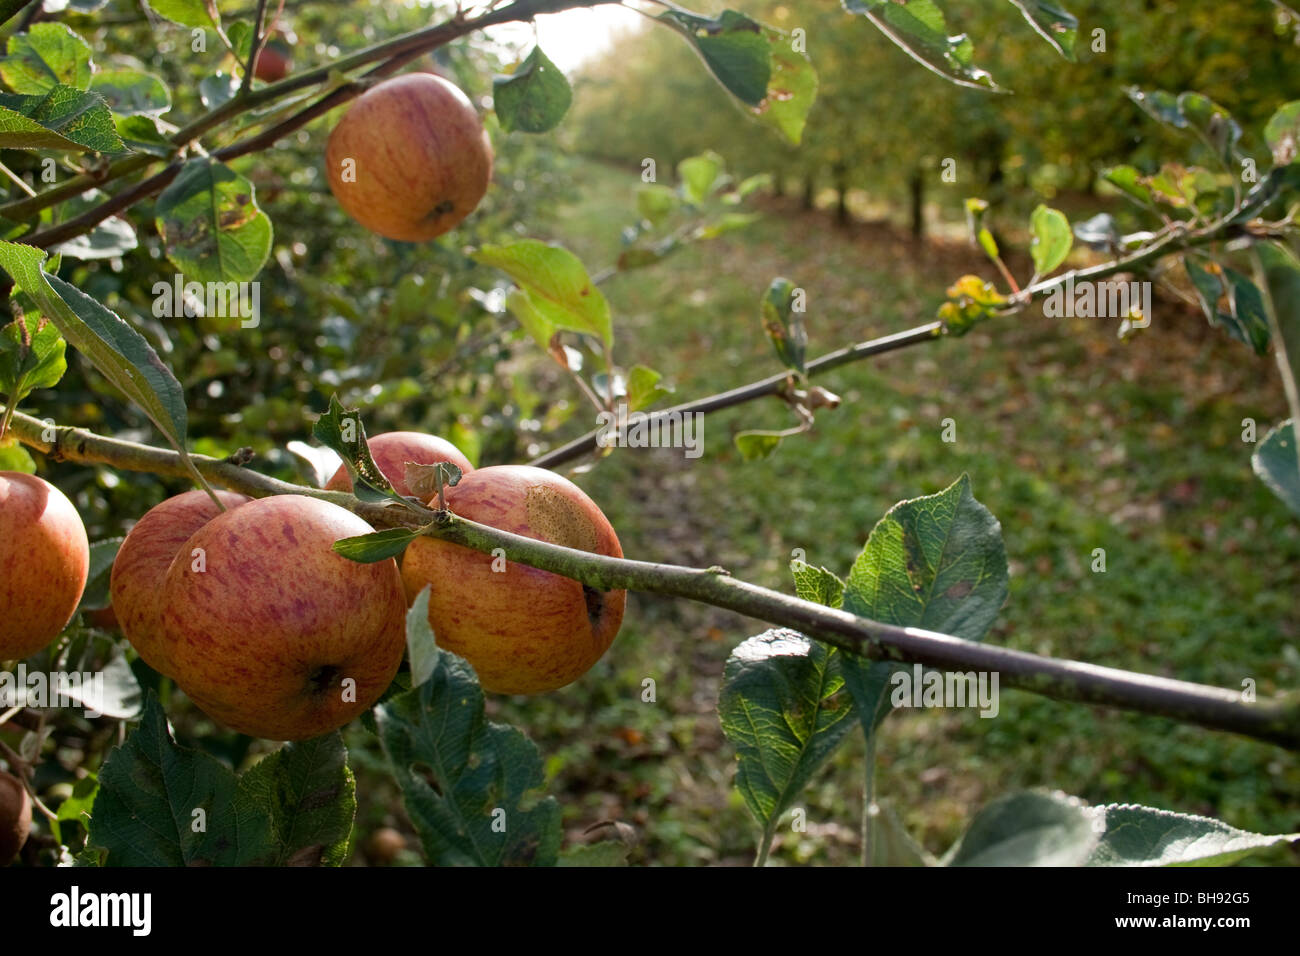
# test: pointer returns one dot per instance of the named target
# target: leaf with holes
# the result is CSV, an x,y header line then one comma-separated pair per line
x,y
935,562
470,786
783,707
211,226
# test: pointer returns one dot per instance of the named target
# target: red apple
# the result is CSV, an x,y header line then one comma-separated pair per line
x,y
524,631
410,159
270,631
15,817
392,450
142,562
272,61
44,560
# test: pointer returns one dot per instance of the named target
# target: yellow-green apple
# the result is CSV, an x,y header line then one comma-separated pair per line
x,y
44,560
392,450
273,633
410,159
525,631
15,817
142,562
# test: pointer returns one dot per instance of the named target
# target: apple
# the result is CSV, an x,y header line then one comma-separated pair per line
x,y
44,560
142,561
410,159
272,61
525,631
15,817
392,450
270,631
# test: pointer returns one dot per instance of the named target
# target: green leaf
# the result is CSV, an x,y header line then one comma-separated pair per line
x,y
935,562
1212,124
218,89
1027,829
421,645
47,55
115,693
140,133
1056,26
1144,836
1246,321
894,846
1243,316
342,430
604,853
783,708
699,175
14,457
534,98
379,546
754,445
1275,462
655,202
643,388
918,27
77,807
725,224
210,223
791,88
732,46
468,785
1129,181
556,283
102,555
1160,106
132,92
107,239
817,584
31,356
150,792
783,324
188,13
63,118
240,34
1282,133
296,806
118,351
1052,239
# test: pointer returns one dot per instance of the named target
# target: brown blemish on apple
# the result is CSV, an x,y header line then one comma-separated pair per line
x,y
559,519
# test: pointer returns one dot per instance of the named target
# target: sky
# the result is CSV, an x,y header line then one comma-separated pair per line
x,y
574,36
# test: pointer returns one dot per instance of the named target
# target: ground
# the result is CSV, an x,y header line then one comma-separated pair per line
x,y
1074,439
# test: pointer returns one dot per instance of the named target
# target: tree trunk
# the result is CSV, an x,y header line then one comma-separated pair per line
x,y
917,190
809,190
778,183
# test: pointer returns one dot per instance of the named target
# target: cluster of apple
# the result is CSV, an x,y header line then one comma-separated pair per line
x,y
247,607
272,633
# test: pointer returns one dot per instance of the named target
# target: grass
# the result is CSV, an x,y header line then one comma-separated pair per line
x,y
1076,441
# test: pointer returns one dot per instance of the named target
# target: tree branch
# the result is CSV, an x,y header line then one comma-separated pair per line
x,y
396,52
1275,721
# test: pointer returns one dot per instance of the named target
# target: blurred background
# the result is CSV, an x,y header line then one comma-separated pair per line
x,y
1075,439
